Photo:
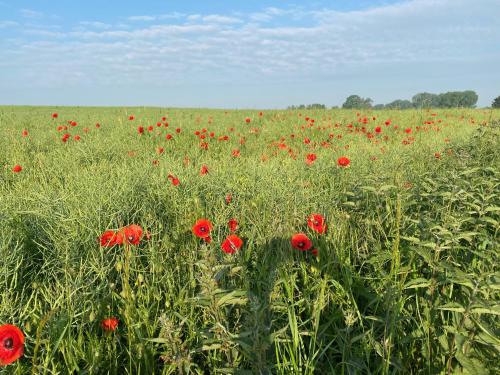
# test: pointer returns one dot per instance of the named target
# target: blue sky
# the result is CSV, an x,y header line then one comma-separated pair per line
x,y
245,54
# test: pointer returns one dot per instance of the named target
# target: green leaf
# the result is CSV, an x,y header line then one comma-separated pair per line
x,y
452,306
418,283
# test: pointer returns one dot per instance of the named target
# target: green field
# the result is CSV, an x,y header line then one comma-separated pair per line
x,y
405,280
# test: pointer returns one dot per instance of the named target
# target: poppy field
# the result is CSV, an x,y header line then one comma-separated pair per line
x,y
192,241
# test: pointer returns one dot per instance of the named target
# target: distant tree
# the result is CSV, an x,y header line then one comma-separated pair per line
x,y
399,104
309,106
378,106
355,101
425,100
496,102
454,99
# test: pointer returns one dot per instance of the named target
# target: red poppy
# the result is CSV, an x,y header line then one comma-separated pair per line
x,y
301,242
110,238
310,158
204,170
437,155
408,130
17,168
231,244
178,130
76,137
247,120
109,324
168,137
133,234
25,133
202,228
55,115
97,125
236,153
378,130
228,198
140,129
343,161
175,181
314,252
160,150
317,223
233,225
11,344
131,117
207,239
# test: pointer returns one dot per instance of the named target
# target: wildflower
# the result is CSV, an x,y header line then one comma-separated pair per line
x,y
343,161
133,234
231,244
17,168
109,324
202,228
11,344
301,242
110,238
317,223
233,225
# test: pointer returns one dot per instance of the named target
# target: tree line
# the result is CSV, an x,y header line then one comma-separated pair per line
x,y
450,99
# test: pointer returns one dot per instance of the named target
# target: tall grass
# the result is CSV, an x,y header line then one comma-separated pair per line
x,y
406,280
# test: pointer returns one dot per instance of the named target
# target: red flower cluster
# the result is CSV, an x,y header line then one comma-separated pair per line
x,y
130,234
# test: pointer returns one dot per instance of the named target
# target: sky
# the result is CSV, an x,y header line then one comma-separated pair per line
x,y
245,54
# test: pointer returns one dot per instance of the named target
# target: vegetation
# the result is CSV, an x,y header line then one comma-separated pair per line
x,y
404,278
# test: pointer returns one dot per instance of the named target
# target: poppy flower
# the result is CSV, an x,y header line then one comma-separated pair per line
x,y
17,168
378,130
310,158
207,239
11,344
160,150
233,225
109,324
168,137
175,181
247,120
131,117
236,153
314,252
343,161
55,115
140,129
317,223
76,137
204,170
301,242
178,130
110,238
133,234
231,244
25,133
228,198
202,228
437,155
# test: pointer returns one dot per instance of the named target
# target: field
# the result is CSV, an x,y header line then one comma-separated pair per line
x,y
404,275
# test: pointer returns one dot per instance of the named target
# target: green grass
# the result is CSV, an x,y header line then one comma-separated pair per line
x,y
406,281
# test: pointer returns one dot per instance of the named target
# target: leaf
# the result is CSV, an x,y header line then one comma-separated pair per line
x,y
236,297
483,309
418,283
452,306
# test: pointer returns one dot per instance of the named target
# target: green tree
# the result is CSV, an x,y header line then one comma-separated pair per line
x,y
496,102
399,104
355,101
425,100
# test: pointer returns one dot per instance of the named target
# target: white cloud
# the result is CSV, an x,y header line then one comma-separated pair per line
x,y
224,47
6,24
30,13
141,18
